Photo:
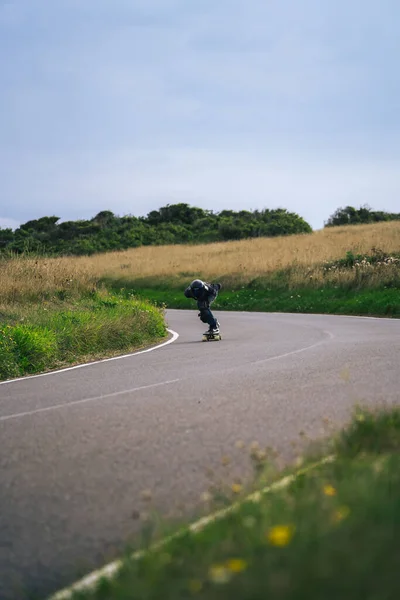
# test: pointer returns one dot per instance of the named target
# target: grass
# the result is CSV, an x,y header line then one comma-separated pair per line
x,y
331,533
35,337
356,284
329,300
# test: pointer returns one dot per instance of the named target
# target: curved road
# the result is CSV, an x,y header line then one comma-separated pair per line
x,y
78,447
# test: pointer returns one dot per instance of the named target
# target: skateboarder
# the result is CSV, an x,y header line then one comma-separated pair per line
x,y
205,293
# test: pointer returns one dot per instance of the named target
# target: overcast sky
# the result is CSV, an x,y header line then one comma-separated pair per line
x,y
127,105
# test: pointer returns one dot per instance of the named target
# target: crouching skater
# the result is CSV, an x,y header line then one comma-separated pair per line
x,y
205,294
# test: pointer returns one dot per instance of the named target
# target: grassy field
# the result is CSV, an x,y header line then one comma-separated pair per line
x,y
331,532
302,259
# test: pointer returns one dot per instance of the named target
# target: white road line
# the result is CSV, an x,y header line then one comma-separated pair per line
x,y
108,571
114,394
292,352
174,337
85,400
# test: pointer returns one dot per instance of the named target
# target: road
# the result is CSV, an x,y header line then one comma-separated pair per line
x,y
78,447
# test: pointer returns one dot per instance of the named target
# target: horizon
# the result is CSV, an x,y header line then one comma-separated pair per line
x,y
60,220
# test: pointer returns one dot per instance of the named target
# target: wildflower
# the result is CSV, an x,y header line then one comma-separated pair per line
x,y
260,455
341,513
329,490
220,574
236,565
280,535
239,444
225,460
236,488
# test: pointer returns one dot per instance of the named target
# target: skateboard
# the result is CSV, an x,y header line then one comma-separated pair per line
x,y
210,337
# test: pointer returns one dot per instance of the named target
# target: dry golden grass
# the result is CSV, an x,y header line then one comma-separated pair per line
x,y
26,278
237,262
251,258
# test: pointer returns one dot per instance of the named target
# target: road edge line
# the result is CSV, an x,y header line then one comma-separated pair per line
x,y
90,581
174,337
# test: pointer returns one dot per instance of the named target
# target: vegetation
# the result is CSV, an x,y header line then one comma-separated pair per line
x,y
362,284
353,216
236,263
176,224
36,337
331,532
171,224
328,300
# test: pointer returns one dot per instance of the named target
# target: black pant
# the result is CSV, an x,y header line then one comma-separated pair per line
x,y
206,315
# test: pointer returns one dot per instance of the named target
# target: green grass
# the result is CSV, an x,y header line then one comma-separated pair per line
x,y
327,300
332,533
38,337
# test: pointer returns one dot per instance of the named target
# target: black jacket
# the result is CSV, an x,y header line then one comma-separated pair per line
x,y
207,296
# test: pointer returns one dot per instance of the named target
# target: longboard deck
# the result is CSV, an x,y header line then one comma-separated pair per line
x,y
212,338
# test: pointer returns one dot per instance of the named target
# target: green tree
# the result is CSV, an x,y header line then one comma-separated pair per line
x,y
353,216
6,237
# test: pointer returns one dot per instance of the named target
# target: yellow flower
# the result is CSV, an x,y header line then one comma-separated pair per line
x,y
236,488
195,586
259,455
220,574
329,490
236,565
341,513
280,535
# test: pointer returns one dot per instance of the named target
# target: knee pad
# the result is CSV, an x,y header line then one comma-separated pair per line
x,y
204,315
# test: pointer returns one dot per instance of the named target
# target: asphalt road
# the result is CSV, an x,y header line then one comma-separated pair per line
x,y
78,447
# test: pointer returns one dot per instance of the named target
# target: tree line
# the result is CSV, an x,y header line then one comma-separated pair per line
x,y
353,216
171,224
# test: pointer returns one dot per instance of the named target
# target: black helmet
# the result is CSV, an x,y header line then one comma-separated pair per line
x,y
197,284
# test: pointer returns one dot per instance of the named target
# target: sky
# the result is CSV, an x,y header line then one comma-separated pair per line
x,y
129,105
